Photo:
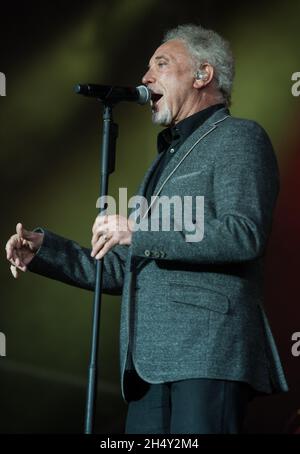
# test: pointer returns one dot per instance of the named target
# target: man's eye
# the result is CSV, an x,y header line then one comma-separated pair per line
x,y
162,63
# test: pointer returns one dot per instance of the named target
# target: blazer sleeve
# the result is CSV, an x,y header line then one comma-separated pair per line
x,y
245,189
66,261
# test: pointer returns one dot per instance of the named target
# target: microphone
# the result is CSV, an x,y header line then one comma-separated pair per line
x,y
113,94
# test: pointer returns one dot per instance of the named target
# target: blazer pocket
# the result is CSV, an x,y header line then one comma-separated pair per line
x,y
187,175
199,296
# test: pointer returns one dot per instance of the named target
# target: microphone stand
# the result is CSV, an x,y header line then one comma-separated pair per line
x,y
109,137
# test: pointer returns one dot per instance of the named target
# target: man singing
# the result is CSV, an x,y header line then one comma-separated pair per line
x,y
195,343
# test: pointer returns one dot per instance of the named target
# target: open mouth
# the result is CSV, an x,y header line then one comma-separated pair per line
x,y
155,97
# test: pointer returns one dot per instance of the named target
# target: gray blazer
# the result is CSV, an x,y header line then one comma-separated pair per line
x,y
194,309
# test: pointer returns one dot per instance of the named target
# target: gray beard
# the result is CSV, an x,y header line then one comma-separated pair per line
x,y
164,117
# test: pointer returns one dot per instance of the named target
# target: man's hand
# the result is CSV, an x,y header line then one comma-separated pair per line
x,y
21,248
108,231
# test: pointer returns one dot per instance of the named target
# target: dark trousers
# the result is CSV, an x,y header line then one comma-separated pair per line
x,y
193,406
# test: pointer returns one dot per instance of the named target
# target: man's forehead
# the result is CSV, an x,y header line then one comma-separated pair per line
x,y
171,50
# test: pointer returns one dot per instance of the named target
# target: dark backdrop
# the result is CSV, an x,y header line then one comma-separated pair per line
x,y
49,146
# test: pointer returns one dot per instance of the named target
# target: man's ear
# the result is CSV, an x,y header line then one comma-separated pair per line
x,y
203,76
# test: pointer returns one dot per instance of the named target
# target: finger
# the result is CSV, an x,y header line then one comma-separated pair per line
x,y
14,271
10,246
99,221
99,234
19,229
97,245
108,245
12,262
22,232
110,227
21,266
8,249
17,260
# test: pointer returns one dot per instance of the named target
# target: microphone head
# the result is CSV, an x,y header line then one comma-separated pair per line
x,y
81,89
114,94
77,88
144,94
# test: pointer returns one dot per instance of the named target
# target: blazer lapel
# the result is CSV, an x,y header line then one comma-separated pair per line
x,y
143,185
210,125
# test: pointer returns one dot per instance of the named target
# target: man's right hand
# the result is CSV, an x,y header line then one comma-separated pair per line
x,y
21,248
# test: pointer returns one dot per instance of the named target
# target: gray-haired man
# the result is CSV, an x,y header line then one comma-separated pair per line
x,y
195,344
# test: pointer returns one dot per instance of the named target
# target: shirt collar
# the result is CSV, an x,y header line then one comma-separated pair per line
x,y
184,128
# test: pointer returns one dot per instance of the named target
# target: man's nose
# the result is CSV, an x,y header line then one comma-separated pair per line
x,y
148,77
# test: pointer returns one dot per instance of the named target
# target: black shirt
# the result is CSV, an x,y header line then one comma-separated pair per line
x,y
171,138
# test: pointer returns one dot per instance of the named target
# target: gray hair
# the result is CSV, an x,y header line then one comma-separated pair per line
x,y
207,46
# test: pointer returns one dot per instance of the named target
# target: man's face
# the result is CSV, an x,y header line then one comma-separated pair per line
x,y
170,77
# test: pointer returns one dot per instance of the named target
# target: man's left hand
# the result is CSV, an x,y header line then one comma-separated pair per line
x,y
108,231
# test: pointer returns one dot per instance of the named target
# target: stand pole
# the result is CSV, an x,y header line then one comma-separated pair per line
x,y
109,136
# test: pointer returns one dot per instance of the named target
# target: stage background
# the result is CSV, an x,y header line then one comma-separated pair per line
x,y
49,145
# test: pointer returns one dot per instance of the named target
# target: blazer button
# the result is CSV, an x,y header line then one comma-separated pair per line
x,y
172,150
156,254
147,253
162,254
